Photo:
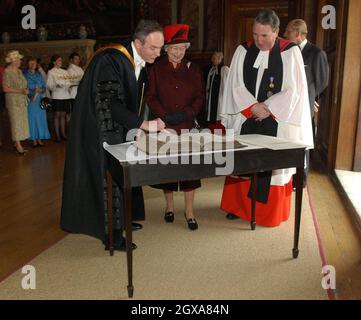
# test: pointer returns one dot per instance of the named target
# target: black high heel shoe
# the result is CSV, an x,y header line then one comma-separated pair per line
x,y
169,217
192,223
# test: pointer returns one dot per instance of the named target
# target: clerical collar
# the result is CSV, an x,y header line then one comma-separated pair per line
x,y
139,62
262,60
303,44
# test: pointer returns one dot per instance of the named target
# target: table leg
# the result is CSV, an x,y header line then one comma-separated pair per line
x,y
254,186
110,213
298,209
128,230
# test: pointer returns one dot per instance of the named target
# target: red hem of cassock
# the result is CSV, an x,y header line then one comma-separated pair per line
x,y
272,214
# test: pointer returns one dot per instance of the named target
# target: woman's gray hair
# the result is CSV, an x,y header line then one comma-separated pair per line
x,y
166,46
218,54
268,17
145,28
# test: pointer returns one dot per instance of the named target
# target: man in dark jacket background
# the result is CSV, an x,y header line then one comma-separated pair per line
x,y
106,108
316,67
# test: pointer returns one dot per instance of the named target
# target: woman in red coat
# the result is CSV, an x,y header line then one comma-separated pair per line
x,y
176,94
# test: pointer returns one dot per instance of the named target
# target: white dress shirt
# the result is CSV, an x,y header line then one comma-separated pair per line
x,y
139,62
303,44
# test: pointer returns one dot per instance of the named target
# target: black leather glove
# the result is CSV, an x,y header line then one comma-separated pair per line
x,y
175,118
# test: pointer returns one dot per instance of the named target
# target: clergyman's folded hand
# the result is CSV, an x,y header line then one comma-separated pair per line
x,y
260,111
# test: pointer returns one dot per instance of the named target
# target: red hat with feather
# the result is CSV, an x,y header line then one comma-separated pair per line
x,y
176,33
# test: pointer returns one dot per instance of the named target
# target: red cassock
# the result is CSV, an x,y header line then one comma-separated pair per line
x,y
178,89
234,200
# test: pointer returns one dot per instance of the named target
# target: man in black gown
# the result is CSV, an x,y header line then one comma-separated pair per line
x,y
106,108
215,79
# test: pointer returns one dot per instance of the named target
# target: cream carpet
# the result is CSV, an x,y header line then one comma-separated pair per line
x,y
222,260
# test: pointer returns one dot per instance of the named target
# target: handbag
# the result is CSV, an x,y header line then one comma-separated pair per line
x,y
45,104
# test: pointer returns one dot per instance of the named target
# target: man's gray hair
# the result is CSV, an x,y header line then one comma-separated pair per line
x,y
145,28
268,17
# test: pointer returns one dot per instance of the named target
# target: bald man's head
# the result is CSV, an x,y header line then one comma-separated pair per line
x,y
296,31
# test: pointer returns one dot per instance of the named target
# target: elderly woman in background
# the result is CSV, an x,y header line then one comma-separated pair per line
x,y
38,124
176,94
16,95
58,82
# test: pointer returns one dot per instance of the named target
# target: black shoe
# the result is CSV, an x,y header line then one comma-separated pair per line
x,y
192,223
119,245
231,216
136,226
169,217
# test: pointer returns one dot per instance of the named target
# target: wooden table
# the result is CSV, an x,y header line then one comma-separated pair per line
x,y
246,161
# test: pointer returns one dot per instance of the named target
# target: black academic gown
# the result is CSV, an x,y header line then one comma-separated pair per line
x,y
104,110
213,93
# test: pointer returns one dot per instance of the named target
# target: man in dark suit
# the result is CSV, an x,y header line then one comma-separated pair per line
x,y
107,107
316,66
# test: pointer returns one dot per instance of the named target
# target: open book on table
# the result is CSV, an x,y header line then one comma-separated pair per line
x,y
167,143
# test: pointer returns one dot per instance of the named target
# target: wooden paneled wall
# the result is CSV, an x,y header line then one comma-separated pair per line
x,y
349,121
205,18
357,161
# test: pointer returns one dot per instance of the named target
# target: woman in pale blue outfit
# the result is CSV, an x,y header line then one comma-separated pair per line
x,y
38,125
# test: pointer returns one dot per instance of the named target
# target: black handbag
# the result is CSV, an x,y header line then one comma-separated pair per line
x,y
45,104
